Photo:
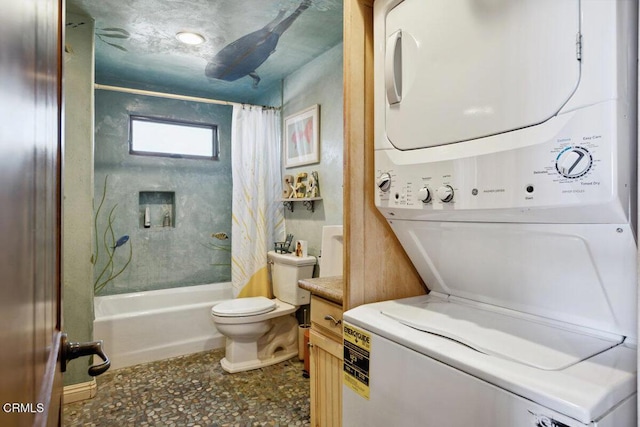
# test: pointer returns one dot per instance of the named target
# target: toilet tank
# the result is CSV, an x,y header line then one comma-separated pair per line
x,y
331,253
286,270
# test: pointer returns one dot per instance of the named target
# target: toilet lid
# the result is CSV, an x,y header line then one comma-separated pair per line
x,y
244,307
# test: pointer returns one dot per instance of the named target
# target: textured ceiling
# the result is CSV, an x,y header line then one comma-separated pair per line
x,y
250,44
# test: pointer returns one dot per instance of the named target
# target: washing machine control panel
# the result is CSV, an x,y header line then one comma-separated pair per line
x,y
424,195
384,181
574,162
445,193
578,171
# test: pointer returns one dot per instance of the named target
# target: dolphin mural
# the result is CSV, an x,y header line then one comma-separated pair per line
x,y
243,56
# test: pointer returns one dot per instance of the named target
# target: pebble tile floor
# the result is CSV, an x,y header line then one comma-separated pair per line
x,y
194,391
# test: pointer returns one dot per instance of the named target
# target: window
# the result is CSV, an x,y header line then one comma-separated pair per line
x,y
160,137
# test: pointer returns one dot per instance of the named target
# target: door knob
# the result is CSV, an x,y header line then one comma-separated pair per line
x,y
73,350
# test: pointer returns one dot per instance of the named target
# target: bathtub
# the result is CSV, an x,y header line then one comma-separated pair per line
x,y
153,325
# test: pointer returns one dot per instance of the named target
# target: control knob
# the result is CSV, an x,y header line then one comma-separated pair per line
x,y
574,162
445,193
384,181
424,195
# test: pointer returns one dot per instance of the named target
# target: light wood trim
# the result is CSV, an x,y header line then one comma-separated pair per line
x,y
376,266
353,80
81,391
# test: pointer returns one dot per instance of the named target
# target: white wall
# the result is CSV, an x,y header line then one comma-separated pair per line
x,y
77,269
319,82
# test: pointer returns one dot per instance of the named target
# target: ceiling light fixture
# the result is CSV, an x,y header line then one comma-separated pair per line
x,y
190,38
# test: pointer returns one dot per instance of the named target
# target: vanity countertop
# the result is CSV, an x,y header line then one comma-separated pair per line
x,y
325,287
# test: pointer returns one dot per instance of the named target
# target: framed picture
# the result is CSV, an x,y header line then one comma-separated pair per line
x,y
301,138
301,248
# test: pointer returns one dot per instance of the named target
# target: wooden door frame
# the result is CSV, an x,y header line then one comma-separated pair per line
x,y
376,267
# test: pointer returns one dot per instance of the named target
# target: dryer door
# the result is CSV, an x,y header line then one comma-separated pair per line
x,y
456,70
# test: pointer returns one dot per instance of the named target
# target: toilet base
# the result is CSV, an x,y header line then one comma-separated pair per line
x,y
279,343
232,368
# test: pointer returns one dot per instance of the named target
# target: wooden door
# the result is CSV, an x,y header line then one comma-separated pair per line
x,y
30,161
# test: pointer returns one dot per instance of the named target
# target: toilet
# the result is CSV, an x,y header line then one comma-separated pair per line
x,y
262,331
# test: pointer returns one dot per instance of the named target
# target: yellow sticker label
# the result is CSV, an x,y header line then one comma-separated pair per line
x,y
357,353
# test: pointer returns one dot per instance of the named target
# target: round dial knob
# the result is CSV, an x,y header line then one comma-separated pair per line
x,y
574,162
424,195
384,181
445,193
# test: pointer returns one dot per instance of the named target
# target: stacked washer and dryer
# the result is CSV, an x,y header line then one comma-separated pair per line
x,y
505,137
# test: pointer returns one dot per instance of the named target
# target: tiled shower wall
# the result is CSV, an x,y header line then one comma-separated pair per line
x,y
162,257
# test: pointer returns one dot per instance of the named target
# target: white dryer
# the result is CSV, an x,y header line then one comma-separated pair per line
x,y
506,161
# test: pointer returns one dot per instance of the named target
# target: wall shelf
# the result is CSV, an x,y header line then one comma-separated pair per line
x,y
307,201
161,209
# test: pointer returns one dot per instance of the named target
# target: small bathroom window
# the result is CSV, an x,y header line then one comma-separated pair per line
x,y
169,138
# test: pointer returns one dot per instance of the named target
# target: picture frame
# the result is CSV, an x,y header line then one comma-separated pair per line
x,y
300,250
302,137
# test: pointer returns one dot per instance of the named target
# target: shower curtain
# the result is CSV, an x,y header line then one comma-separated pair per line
x,y
257,213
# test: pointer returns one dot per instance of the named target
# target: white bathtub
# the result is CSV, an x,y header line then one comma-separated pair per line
x,y
153,325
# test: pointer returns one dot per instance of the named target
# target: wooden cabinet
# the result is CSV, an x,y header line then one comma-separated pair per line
x,y
326,355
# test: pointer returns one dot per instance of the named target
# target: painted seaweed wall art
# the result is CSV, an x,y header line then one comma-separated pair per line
x,y
106,34
108,272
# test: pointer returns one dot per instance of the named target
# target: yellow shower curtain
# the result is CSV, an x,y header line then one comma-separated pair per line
x,y
257,213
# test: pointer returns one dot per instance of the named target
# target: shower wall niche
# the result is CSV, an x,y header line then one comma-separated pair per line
x,y
157,209
196,193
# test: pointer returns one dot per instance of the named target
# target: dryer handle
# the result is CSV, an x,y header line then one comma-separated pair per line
x,y
393,68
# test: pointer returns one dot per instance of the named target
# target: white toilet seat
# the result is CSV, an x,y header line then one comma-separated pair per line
x,y
240,307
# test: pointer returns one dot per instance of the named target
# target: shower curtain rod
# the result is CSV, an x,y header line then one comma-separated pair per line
x,y
175,96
